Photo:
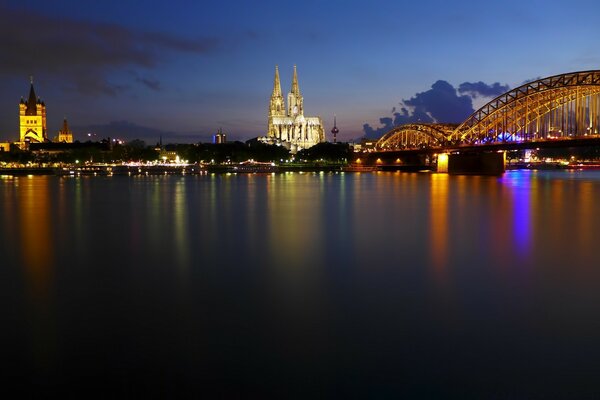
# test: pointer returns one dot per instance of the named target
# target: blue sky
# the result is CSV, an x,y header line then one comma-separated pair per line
x,y
183,69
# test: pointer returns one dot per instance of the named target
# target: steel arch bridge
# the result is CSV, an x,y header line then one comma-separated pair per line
x,y
563,106
415,136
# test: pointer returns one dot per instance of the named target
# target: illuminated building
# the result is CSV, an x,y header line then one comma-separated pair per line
x,y
219,137
287,125
32,119
65,135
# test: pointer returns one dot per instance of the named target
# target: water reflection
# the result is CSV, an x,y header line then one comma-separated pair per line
x,y
586,201
32,205
439,205
334,280
34,210
520,188
294,225
180,228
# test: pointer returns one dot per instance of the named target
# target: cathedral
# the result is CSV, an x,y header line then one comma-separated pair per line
x,y
287,125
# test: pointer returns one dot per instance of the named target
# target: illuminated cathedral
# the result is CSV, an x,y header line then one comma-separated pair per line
x,y
287,125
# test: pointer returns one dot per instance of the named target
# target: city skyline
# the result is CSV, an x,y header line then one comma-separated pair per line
x,y
186,70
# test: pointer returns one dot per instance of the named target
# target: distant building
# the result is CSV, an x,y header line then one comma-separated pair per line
x,y
32,120
65,135
287,125
165,155
168,156
4,146
219,137
366,145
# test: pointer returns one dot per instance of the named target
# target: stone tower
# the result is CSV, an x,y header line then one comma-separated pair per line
x,y
277,106
295,101
32,119
65,135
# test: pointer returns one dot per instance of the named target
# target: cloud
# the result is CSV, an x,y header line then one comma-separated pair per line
x,y
531,80
83,54
371,132
150,83
476,89
442,103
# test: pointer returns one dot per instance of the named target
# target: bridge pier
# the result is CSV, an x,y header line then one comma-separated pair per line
x,y
472,163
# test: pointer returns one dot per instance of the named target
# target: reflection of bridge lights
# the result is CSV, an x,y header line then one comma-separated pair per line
x,y
442,163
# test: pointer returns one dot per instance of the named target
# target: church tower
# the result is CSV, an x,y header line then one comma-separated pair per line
x,y
295,101
32,119
277,106
65,135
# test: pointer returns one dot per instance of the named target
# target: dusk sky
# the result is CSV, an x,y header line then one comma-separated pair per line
x,y
183,69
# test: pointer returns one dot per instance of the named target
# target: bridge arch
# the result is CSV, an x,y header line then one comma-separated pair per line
x,y
560,106
415,136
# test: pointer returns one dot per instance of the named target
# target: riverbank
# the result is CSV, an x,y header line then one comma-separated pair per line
x,y
175,169
195,169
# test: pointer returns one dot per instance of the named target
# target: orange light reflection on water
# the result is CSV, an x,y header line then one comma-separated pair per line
x,y
439,222
34,214
36,245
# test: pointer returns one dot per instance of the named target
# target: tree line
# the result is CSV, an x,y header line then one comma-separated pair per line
x,y
139,151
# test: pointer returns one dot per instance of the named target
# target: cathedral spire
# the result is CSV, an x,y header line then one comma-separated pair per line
x,y
295,87
276,84
277,105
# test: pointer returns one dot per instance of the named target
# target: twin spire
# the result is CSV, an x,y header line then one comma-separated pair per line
x,y
277,83
295,87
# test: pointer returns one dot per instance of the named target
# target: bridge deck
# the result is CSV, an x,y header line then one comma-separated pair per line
x,y
537,144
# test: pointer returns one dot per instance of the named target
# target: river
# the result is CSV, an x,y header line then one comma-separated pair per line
x,y
302,285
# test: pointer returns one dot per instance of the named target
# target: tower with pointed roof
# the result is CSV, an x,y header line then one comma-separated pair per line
x,y
32,119
277,105
65,135
288,126
295,100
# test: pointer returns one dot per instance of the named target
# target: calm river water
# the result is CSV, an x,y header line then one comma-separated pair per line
x,y
302,285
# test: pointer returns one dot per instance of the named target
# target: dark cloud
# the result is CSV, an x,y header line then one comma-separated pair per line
x,y
370,132
150,83
83,54
442,103
476,89
531,80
